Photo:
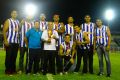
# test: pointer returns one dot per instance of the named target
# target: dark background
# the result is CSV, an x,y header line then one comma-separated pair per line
x,y
65,8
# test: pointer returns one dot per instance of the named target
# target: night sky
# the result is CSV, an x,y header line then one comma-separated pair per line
x,y
65,8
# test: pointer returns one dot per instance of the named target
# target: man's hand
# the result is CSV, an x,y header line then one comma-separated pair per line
x,y
53,36
108,48
78,42
72,60
49,40
6,43
23,21
68,52
61,54
94,51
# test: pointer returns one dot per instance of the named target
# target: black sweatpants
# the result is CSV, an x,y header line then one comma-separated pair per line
x,y
64,63
10,59
21,58
90,59
34,57
42,57
49,61
81,53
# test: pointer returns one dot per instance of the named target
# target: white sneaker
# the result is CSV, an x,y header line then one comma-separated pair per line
x,y
37,74
66,72
61,73
28,74
10,75
20,72
75,72
34,74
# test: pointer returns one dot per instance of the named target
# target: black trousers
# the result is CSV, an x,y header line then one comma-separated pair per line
x,y
67,63
64,63
57,59
81,53
59,62
10,59
49,61
90,59
34,56
41,60
21,58
42,57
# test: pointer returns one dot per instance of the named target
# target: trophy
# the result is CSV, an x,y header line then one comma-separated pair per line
x,y
49,34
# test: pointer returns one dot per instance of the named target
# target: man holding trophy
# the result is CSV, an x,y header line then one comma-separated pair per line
x,y
49,38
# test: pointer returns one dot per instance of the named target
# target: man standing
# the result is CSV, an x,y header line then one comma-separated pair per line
x,y
59,27
69,28
25,25
82,50
43,23
102,45
33,40
10,34
43,26
49,37
89,27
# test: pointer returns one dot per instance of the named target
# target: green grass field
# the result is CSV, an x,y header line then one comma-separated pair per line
x,y
115,64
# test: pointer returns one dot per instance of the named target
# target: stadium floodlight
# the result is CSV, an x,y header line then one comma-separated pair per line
x,y
30,9
109,14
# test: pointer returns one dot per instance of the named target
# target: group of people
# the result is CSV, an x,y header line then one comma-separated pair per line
x,y
55,47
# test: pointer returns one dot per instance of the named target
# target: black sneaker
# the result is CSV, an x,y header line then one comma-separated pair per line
x,y
100,74
91,72
44,73
108,75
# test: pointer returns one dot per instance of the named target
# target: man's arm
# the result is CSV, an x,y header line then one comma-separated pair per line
x,y
21,23
27,37
109,38
94,42
26,41
62,29
44,37
55,35
20,27
61,50
5,29
73,53
73,49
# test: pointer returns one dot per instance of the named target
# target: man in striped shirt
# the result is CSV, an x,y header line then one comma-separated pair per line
x,y
10,34
69,28
102,45
43,22
43,26
59,27
67,52
25,25
82,50
89,27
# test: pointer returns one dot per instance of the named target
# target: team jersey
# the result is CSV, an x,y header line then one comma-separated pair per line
x,y
69,30
89,29
101,35
12,34
23,30
57,27
43,25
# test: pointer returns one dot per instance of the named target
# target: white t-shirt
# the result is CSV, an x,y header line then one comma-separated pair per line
x,y
52,45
